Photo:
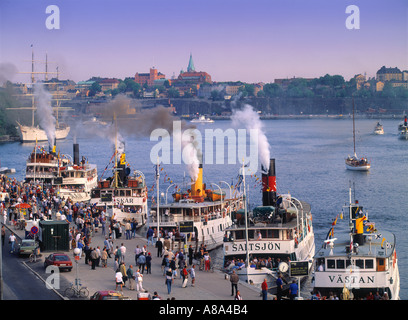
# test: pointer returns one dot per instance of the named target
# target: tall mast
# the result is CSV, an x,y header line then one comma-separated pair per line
x,y
354,132
32,86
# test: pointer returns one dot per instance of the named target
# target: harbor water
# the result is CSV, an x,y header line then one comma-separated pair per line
x,y
310,166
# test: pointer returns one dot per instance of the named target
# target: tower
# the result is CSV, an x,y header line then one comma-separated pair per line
x,y
190,67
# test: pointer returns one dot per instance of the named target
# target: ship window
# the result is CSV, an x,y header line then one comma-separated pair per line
x,y
128,193
360,263
251,234
272,234
369,264
122,193
239,234
340,264
331,264
348,263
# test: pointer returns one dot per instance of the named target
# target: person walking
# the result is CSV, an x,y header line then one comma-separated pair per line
x,y
234,279
184,275
104,257
169,280
238,296
122,252
94,258
12,241
141,261
293,290
264,287
148,264
149,235
131,277
159,246
122,269
119,280
192,275
139,281
279,287
190,255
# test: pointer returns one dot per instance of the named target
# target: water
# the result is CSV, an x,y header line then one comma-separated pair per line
x,y
309,164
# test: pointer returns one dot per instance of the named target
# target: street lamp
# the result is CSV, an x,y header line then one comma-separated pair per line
x,y
77,256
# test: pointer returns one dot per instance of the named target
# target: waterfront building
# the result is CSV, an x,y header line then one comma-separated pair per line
x,y
149,78
388,74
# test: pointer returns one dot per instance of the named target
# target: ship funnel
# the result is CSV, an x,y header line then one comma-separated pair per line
x,y
358,218
76,154
269,185
53,148
197,188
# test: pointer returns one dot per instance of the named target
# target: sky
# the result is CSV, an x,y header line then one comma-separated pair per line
x,y
232,40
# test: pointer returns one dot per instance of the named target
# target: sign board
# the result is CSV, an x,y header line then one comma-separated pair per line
x,y
107,197
34,230
299,268
186,227
58,180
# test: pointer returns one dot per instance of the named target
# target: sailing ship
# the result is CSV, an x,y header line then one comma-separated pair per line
x,y
31,133
197,216
353,162
264,243
403,129
357,259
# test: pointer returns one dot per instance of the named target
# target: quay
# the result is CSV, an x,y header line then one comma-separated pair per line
x,y
208,285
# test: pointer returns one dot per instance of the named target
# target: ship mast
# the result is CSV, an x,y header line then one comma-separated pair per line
x,y
354,133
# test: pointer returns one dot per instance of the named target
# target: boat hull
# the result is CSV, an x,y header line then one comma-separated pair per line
x,y
32,134
358,168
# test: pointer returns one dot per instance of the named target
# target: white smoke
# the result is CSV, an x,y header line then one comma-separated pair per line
x,y
44,111
249,118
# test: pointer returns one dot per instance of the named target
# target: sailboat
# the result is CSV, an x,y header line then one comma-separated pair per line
x,y
31,133
353,162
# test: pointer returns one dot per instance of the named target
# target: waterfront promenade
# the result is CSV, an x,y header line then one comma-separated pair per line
x,y
208,285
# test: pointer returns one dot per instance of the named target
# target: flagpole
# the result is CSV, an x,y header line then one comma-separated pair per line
x,y
246,219
158,199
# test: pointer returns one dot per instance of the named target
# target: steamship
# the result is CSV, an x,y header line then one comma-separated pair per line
x,y
357,259
124,195
273,235
74,179
403,129
197,216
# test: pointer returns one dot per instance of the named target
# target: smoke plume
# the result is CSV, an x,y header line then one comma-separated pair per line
x,y
44,112
249,118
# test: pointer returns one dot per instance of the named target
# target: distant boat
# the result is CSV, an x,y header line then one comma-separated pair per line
x,y
202,119
353,162
403,130
378,128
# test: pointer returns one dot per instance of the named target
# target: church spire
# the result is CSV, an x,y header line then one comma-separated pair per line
x,y
190,67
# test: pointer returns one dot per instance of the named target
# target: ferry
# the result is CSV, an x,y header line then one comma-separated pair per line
x,y
357,260
74,179
202,119
379,129
403,129
277,233
124,195
197,216
77,179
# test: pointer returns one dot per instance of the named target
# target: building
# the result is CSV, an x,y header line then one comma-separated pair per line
x,y
109,84
149,78
192,76
389,74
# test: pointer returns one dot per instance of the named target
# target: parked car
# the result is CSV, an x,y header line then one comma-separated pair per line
x,y
108,295
60,260
27,247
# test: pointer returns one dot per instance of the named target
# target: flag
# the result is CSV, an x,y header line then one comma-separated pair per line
x,y
382,243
